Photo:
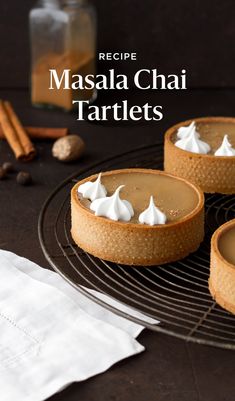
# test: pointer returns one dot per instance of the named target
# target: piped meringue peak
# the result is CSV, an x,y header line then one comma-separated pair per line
x,y
192,143
152,215
93,190
184,132
113,207
226,148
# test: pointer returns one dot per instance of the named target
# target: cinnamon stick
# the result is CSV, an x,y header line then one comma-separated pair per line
x,y
42,132
46,133
28,149
10,132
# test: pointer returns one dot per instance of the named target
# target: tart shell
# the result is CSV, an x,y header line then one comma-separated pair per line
x,y
212,173
136,244
222,273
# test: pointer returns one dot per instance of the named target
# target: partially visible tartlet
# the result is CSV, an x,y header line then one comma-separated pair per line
x,y
222,266
133,243
212,173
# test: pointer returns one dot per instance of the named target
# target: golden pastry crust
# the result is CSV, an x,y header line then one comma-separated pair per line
x,y
136,244
211,173
222,273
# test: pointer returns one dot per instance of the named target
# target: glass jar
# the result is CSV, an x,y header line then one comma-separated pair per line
x,y
63,37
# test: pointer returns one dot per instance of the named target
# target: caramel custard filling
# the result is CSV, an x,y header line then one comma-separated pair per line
x,y
227,245
172,196
213,134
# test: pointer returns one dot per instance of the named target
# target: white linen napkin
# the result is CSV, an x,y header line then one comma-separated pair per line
x,y
51,335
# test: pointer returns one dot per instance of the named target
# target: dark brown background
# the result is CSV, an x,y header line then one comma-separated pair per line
x,y
198,35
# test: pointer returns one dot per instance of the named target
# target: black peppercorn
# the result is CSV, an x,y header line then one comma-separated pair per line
x,y
24,178
8,167
2,173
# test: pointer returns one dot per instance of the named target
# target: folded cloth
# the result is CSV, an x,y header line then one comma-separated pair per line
x,y
51,335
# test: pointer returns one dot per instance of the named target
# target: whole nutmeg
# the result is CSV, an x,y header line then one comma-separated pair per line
x,y
68,148
23,178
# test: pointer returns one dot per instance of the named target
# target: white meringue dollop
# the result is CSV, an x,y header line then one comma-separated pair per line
x,y
193,144
226,148
93,190
152,215
184,132
113,207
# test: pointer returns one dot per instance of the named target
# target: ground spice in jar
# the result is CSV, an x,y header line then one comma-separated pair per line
x,y
82,64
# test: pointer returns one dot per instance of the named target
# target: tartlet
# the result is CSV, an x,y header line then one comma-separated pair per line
x,y
133,243
222,266
212,173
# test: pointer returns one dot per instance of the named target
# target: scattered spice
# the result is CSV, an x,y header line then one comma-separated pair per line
x,y
174,213
69,148
23,178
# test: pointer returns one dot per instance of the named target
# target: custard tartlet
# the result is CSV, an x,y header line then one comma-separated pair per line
x,y
212,173
222,266
133,243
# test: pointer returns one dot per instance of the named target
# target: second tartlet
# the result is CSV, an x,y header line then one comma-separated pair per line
x,y
212,173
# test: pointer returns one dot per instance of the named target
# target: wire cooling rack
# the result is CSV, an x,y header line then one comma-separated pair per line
x,y
176,294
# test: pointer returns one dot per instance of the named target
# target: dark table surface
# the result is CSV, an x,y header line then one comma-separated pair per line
x,y
169,369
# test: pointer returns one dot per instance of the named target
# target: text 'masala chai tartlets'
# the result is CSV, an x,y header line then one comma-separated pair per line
x,y
203,151
137,216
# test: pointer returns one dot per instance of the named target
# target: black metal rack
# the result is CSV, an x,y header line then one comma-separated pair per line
x,y
176,294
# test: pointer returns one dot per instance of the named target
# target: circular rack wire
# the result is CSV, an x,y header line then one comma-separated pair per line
x,y
176,294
